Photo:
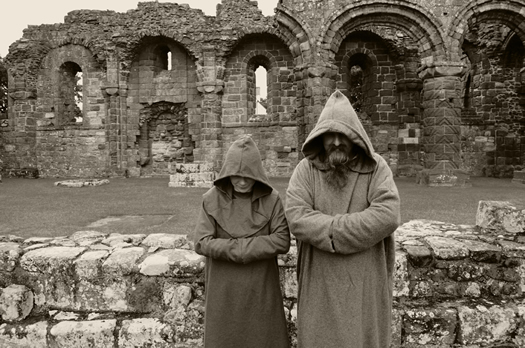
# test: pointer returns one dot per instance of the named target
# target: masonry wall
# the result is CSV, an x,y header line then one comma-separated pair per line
x,y
454,286
441,85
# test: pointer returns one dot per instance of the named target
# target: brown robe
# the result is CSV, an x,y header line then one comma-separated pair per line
x,y
241,235
345,242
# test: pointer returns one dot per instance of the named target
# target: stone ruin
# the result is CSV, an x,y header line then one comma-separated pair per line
x,y
439,86
454,286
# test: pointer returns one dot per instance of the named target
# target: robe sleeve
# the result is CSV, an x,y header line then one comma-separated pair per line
x,y
343,233
226,249
277,242
243,250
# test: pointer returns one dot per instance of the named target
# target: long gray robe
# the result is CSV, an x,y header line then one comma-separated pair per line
x,y
241,235
345,242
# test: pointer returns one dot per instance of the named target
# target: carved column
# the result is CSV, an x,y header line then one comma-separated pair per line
x,y
441,120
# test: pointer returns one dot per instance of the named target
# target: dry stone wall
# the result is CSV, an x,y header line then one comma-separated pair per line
x,y
454,286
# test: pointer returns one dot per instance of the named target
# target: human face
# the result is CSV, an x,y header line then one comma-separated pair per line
x,y
333,141
242,184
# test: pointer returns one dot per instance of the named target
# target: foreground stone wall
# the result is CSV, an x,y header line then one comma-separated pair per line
x,y
454,286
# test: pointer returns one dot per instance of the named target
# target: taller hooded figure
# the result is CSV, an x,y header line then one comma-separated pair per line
x,y
343,206
241,230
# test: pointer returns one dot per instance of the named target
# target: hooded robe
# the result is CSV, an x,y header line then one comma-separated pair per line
x,y
241,234
345,242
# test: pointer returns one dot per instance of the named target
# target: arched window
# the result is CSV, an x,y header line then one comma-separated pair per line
x,y
162,58
257,80
261,90
71,97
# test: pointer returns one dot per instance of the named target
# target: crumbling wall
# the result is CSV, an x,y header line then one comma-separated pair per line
x,y
440,85
454,285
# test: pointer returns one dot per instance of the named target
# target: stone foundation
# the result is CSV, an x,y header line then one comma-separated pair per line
x,y
454,286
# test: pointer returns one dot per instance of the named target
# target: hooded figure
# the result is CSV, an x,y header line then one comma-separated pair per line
x,y
241,229
343,223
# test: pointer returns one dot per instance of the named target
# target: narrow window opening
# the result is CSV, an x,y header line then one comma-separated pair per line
x,y
356,87
466,98
261,91
71,94
169,60
79,97
162,58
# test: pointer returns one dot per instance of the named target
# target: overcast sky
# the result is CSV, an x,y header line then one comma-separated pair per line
x,y
18,14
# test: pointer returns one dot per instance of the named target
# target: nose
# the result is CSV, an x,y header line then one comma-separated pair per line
x,y
337,139
242,181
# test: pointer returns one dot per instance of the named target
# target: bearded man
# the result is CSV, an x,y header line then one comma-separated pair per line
x,y
342,206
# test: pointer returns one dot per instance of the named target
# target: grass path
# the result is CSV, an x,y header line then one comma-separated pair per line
x,y
35,207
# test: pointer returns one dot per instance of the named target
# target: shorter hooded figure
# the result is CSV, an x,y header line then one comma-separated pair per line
x,y
241,230
342,205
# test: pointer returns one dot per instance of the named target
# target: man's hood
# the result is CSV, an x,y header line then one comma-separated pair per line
x,y
339,116
243,159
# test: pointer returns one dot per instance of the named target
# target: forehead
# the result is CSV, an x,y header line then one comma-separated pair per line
x,y
330,134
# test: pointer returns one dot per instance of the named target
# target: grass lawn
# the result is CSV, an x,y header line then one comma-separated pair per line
x,y
35,207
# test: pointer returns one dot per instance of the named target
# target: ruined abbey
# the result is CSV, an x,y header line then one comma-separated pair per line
x,y
435,83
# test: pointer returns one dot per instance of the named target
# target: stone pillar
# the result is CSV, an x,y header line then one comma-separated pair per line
x,y
441,118
441,121
210,84
206,128
316,83
116,137
23,123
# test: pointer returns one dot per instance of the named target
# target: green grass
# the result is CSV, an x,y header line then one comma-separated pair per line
x,y
35,207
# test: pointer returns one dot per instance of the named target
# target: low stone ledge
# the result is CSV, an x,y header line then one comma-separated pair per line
x,y
77,183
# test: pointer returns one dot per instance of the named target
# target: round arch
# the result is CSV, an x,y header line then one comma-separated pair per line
x,y
416,22
507,12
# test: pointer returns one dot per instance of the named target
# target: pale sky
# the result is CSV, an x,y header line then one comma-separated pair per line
x,y
18,14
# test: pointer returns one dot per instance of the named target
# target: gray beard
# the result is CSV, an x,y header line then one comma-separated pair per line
x,y
337,174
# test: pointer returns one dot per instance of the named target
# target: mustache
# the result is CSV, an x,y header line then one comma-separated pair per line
x,y
341,147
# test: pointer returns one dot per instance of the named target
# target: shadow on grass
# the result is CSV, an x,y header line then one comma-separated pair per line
x,y
35,207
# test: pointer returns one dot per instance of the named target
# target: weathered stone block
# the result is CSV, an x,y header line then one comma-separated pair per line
x,y
486,325
116,238
16,302
173,262
289,283
48,260
447,248
165,240
88,265
95,333
84,238
401,281
123,261
9,256
24,336
500,216
146,332
432,327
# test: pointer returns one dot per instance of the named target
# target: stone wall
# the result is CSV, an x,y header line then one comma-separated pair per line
x,y
454,286
437,85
